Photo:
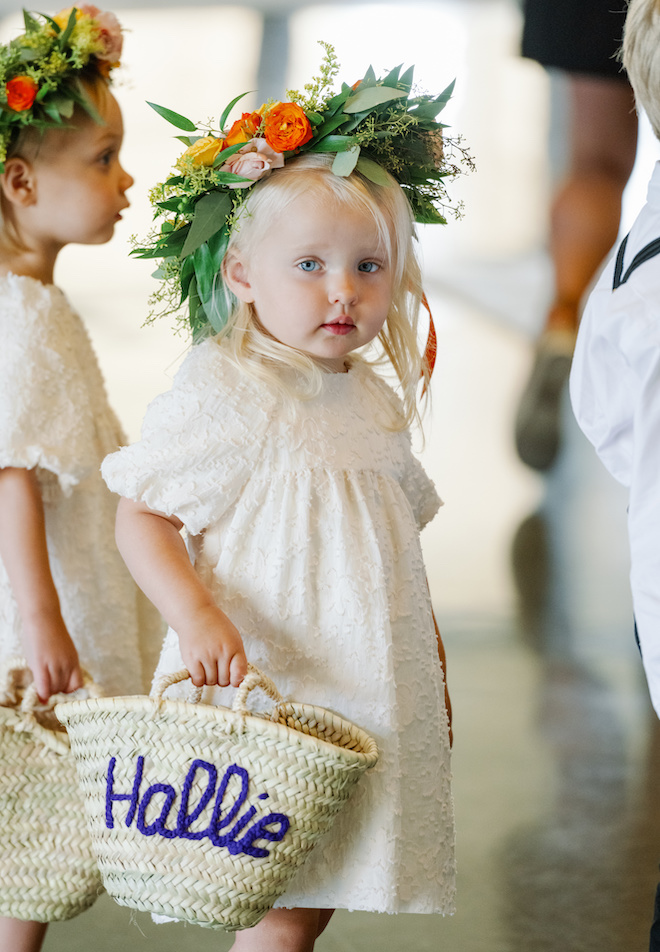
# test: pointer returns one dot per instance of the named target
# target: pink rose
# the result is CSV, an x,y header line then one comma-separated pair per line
x,y
254,160
111,36
109,32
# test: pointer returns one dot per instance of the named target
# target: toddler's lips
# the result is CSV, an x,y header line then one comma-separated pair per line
x,y
339,327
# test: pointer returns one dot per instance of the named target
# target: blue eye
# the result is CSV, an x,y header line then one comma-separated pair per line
x,y
308,266
369,267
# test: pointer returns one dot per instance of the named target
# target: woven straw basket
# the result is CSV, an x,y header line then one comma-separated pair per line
x,y
204,813
48,870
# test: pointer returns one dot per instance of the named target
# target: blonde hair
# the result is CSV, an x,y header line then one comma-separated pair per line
x,y
254,351
641,56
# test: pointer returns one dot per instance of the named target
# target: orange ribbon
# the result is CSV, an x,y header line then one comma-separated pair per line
x,y
431,349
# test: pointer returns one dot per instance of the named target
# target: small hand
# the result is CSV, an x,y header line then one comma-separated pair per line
x,y
212,649
52,657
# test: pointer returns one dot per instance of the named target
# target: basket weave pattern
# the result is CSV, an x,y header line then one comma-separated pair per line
x,y
48,870
204,813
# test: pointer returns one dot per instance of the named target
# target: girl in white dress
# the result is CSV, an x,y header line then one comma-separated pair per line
x,y
287,460
66,598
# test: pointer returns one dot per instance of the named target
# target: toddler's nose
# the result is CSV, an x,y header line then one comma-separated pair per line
x,y
343,290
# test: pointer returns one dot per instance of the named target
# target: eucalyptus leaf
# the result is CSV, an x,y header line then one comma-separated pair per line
x,y
406,80
373,171
210,215
366,99
174,118
345,162
188,140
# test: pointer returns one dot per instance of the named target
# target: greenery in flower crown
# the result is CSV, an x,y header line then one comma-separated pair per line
x,y
371,126
41,68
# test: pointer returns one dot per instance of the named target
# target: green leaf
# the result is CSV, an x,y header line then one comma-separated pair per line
x,y
64,36
166,247
406,80
51,110
333,144
230,178
346,161
174,118
188,140
367,98
225,154
392,78
228,109
186,275
210,215
373,171
330,125
210,286
171,204
31,25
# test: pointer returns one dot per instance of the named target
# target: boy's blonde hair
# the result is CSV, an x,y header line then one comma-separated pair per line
x,y
257,352
641,56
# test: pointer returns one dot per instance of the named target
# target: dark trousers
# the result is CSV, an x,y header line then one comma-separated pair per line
x,y
654,943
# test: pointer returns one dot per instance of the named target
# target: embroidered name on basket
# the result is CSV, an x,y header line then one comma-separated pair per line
x,y
271,827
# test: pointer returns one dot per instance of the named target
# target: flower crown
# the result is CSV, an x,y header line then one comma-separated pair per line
x,y
39,69
371,126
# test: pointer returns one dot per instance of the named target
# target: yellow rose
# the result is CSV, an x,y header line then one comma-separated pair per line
x,y
200,153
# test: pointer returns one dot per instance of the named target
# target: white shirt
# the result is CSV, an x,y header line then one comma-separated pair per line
x,y
615,392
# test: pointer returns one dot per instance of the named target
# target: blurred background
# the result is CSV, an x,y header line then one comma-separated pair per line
x,y
556,746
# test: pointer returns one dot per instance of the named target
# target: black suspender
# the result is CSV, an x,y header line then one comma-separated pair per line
x,y
648,251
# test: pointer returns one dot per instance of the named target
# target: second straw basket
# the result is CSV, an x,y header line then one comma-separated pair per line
x,y
205,813
48,869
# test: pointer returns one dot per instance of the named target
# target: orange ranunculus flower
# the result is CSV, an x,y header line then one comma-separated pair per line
x,y
287,127
21,93
243,129
200,153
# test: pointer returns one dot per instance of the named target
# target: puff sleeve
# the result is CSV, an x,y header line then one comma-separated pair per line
x,y
46,406
420,492
199,442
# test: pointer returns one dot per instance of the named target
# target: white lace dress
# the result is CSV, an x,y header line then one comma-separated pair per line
x,y
54,416
304,522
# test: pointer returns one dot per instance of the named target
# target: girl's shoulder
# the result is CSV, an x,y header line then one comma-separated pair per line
x,y
377,391
21,289
208,370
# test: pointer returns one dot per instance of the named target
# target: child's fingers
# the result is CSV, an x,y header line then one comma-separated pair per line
x,y
237,669
42,684
75,681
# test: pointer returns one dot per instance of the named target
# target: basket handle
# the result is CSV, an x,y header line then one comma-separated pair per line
x,y
31,698
254,679
165,681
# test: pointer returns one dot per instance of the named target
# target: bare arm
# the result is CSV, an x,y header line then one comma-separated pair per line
x,y
48,647
150,543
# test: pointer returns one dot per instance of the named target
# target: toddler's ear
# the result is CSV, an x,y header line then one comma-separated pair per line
x,y
18,182
237,279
